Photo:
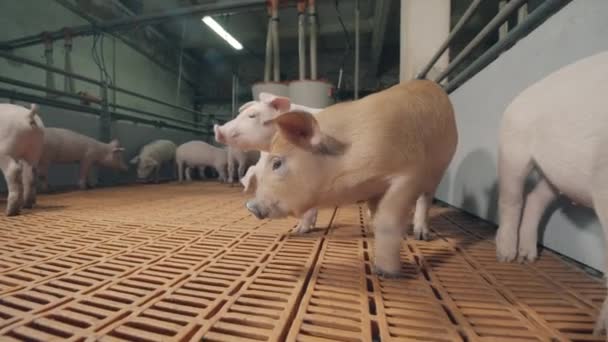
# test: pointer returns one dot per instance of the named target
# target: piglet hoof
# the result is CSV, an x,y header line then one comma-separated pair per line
x,y
303,228
527,255
29,204
386,274
421,234
12,209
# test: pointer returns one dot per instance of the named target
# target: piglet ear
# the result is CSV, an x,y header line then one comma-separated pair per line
x,y
135,160
114,143
300,128
249,181
280,103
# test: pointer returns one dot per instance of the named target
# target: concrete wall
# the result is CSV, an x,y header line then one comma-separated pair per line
x,y
133,71
577,31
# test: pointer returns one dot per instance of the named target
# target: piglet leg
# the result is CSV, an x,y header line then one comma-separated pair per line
x,y
307,222
29,185
12,172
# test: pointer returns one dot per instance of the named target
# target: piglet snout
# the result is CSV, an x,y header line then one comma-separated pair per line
x,y
254,208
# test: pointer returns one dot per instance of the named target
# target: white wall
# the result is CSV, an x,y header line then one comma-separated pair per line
x,y
577,31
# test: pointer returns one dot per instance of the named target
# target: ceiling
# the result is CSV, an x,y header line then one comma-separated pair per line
x,y
211,59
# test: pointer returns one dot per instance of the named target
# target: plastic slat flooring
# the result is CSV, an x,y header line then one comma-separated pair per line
x,y
189,263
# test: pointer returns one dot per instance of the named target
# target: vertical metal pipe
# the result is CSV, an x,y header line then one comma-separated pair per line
x,y
357,41
522,13
275,41
180,69
68,82
268,61
312,14
459,25
105,120
233,94
114,69
236,95
504,28
302,42
50,75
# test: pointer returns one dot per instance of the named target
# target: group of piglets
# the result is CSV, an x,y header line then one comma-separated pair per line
x,y
192,155
389,149
28,148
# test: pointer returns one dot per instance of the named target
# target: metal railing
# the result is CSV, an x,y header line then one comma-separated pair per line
x,y
105,110
529,23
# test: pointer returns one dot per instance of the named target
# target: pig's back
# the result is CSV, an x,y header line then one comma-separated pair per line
x,y
65,146
15,129
199,152
408,124
159,150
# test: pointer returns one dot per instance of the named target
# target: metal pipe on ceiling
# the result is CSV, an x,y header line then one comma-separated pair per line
x,y
210,7
500,18
455,31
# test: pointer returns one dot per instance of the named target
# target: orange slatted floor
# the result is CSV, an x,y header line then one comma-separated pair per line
x,y
188,262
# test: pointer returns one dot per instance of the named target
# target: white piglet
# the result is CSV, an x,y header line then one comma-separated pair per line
x,y
21,138
198,154
239,161
152,156
65,146
558,126
252,130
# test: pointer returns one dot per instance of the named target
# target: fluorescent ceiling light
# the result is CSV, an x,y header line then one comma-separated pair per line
x,y
222,33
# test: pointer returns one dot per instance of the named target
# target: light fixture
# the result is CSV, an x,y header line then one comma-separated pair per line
x,y
222,33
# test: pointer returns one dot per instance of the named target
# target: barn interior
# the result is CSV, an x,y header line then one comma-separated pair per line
x,y
135,260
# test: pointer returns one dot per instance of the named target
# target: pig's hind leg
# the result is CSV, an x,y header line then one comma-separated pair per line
x,y
12,170
390,221
29,185
514,165
421,217
599,195
536,204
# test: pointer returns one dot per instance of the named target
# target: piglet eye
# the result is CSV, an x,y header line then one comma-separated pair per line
x,y
253,115
276,164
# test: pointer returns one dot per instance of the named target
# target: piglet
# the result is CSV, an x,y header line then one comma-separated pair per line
x,y
152,156
241,159
390,149
558,127
251,130
64,146
200,154
21,139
